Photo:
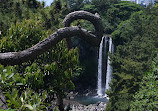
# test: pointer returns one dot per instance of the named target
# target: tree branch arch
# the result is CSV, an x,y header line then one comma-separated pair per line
x,y
13,58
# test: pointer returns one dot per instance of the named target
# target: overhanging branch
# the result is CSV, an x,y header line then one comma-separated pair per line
x,y
94,19
13,58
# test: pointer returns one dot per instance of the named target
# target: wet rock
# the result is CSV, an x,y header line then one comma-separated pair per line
x,y
92,107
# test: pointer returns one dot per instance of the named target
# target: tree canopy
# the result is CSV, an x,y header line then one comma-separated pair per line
x,y
32,84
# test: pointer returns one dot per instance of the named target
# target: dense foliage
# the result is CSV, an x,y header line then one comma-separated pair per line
x,y
136,44
34,84
147,96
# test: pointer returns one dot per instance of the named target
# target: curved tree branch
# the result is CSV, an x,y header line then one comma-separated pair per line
x,y
94,19
13,58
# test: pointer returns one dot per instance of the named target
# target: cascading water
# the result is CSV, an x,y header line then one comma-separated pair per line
x,y
104,73
99,90
109,67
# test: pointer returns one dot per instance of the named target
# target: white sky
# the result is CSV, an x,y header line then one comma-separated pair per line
x,y
48,2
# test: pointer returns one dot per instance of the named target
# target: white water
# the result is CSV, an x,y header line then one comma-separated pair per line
x,y
104,86
109,67
99,90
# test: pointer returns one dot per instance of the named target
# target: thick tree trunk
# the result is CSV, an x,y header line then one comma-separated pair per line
x,y
3,104
60,102
12,58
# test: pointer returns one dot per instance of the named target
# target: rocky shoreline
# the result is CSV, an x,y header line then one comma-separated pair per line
x,y
72,105
92,107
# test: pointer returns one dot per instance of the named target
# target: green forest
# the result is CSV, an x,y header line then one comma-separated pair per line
x,y
33,85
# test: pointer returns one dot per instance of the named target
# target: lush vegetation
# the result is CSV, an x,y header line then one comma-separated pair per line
x,y
146,97
34,84
31,85
136,46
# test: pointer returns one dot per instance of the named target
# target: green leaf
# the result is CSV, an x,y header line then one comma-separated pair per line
x,y
19,84
28,106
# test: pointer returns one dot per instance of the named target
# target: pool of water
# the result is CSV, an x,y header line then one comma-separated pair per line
x,y
86,100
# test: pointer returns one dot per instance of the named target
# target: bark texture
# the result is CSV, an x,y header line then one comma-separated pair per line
x,y
13,58
94,19
3,104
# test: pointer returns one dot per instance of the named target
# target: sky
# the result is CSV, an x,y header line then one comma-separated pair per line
x,y
48,2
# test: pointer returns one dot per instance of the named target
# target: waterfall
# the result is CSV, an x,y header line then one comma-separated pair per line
x,y
104,67
109,67
99,90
